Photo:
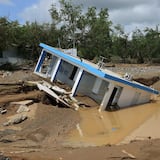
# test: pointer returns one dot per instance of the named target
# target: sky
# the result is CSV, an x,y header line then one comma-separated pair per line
x,y
131,14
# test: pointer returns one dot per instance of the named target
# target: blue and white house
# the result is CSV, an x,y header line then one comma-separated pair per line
x,y
107,88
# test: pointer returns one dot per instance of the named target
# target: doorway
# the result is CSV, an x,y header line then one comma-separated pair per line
x,y
74,71
113,100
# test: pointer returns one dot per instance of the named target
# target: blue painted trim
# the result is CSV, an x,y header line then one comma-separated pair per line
x,y
95,71
132,84
41,61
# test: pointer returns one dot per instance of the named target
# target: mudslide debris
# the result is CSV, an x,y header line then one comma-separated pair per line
x,y
59,94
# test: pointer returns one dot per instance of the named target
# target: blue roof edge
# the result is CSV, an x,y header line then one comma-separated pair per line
x,y
96,71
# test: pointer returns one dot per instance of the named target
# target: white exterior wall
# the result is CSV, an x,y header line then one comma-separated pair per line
x,y
86,84
132,96
102,90
87,87
144,97
126,97
106,97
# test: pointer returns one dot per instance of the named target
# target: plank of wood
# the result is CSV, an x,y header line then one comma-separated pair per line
x,y
53,94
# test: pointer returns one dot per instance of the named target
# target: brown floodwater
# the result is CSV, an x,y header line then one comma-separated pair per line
x,y
101,128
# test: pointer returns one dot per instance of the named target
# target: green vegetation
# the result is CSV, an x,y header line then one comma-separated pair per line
x,y
92,33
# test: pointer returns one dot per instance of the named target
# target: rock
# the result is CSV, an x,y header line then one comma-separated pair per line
x,y
22,108
6,124
16,120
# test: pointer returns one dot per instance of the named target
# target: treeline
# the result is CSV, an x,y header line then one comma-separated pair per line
x,y
92,33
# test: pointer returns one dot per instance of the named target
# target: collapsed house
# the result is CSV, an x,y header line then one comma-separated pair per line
x,y
108,89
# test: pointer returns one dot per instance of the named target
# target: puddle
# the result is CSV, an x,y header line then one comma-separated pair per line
x,y
101,128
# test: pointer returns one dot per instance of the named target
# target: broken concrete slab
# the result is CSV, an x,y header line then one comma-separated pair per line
x,y
26,102
52,93
60,90
59,94
55,88
31,83
23,108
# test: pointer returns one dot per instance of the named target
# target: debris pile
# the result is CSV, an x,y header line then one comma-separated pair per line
x,y
60,95
19,115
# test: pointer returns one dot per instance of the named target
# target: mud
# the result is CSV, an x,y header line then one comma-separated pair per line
x,y
148,81
54,133
101,128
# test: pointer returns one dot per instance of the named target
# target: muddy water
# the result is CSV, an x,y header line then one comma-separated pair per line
x,y
100,128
